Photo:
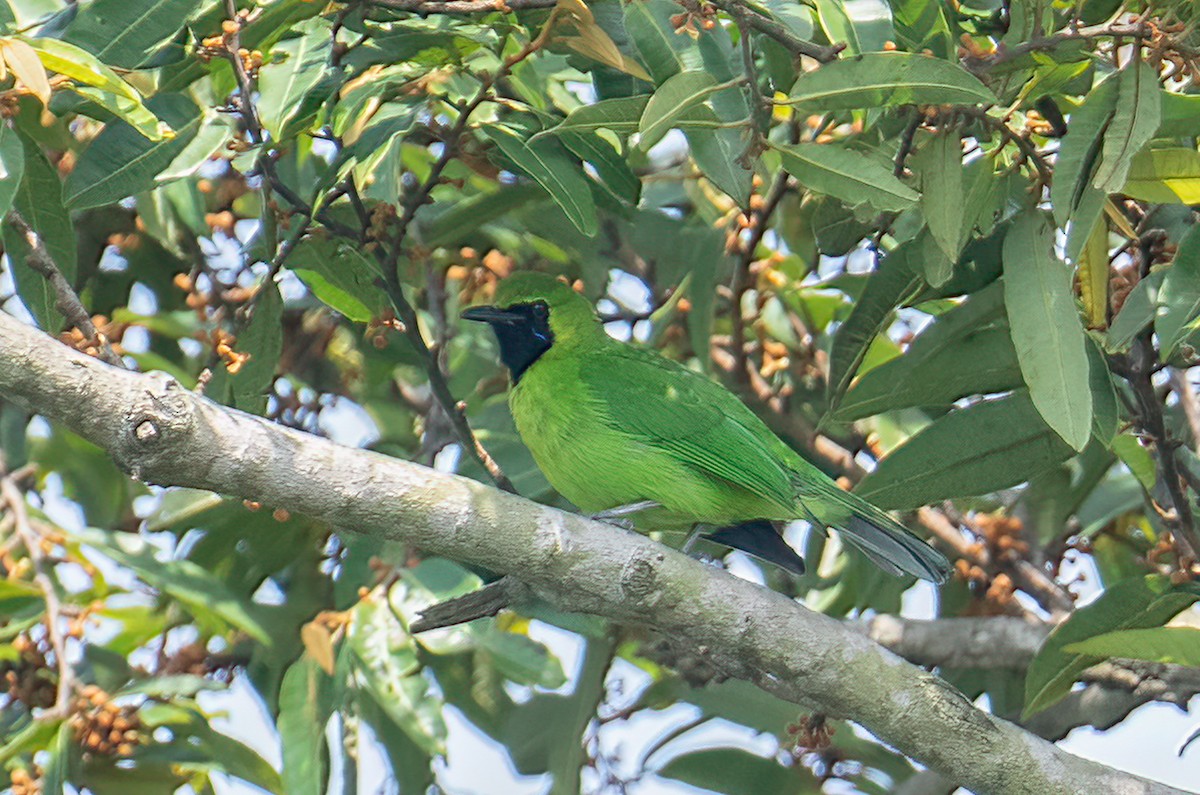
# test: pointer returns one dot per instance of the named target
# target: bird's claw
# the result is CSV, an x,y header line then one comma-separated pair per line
x,y
617,516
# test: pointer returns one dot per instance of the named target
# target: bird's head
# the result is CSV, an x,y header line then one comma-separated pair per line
x,y
534,312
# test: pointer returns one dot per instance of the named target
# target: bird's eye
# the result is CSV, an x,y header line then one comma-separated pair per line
x,y
541,311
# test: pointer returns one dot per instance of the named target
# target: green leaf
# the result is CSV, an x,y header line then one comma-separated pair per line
x,y
979,449
125,34
203,593
886,79
1164,176
893,283
846,175
386,660
735,771
198,747
1131,452
1046,331
1179,299
552,167
131,111
1169,645
1136,313
982,361
283,85
54,775
1080,150
520,658
836,24
662,51
12,166
17,597
921,25
305,706
1138,112
621,115
121,161
675,96
263,341
1136,603
938,165
341,276
39,200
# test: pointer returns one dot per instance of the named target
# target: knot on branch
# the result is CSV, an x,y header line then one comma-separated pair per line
x,y
153,426
639,577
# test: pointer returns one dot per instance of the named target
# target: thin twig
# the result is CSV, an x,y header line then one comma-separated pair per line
x,y
43,577
779,32
66,300
462,6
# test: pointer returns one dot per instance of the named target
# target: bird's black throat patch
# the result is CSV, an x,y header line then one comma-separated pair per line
x,y
523,331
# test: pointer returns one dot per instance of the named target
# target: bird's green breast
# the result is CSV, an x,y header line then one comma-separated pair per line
x,y
596,464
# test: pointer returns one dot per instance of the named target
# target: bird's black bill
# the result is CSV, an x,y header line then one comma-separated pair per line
x,y
760,539
492,314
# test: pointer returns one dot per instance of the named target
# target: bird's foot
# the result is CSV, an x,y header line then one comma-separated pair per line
x,y
618,515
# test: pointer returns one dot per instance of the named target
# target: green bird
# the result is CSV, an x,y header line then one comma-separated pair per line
x,y
620,429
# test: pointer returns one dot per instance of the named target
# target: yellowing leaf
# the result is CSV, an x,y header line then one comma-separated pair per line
x,y
23,62
1093,276
1165,176
318,642
592,41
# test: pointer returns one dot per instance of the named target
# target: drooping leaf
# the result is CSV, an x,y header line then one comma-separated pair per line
x,y
284,84
1135,603
938,165
886,79
1179,299
1045,328
549,164
675,96
1080,151
1093,276
846,175
979,449
305,706
648,24
1138,112
1136,313
12,166
894,282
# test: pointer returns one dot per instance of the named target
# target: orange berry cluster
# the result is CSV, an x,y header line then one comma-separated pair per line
x,y
101,726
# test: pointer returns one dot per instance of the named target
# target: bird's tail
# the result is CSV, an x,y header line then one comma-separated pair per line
x,y
884,540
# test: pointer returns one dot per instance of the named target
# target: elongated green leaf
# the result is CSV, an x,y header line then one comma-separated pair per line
x,y
835,22
125,34
1179,299
1136,313
730,771
938,165
551,166
54,777
201,591
1136,603
1165,176
131,111
77,64
922,25
1080,150
261,341
39,200
981,362
1093,276
1045,328
1170,645
663,52
305,706
12,166
1138,112
1179,114
887,79
679,93
198,747
621,115
386,658
895,282
122,162
283,85
980,449
846,175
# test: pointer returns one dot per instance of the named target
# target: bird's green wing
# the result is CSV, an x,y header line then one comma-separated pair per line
x,y
669,407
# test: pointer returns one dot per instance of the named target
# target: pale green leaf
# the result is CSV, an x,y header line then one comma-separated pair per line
x,y
887,79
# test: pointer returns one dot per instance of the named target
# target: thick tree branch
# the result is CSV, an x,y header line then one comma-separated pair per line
x,y
161,433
